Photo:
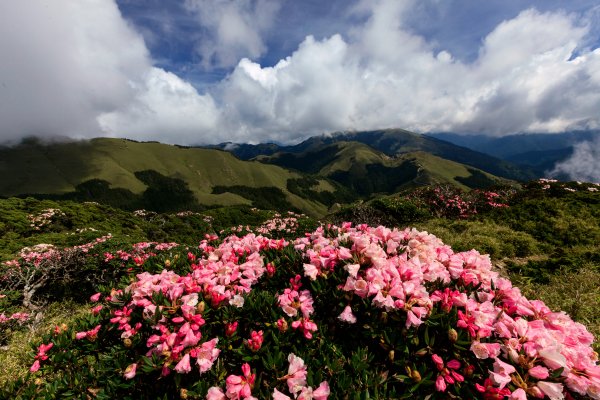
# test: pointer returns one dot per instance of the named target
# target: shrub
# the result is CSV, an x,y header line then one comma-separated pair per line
x,y
499,241
365,312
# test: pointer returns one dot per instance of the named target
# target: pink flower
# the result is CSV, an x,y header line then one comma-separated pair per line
x,y
191,338
240,386
485,350
347,316
95,297
215,393
307,326
80,335
311,271
36,366
277,395
518,394
96,310
230,328
553,390
501,374
539,372
553,358
255,341
321,393
183,366
206,355
447,373
440,384
41,356
296,376
130,371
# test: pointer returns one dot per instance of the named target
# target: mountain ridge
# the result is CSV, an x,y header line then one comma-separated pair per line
x,y
393,142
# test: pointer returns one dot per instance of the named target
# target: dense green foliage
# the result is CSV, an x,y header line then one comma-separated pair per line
x,y
376,178
305,187
267,198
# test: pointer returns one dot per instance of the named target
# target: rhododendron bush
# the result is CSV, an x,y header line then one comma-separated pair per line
x,y
342,312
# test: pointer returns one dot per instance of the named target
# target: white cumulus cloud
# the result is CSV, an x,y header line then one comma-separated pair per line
x,y
63,62
530,75
233,29
77,68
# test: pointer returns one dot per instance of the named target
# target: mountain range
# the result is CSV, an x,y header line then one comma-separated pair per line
x,y
537,151
310,176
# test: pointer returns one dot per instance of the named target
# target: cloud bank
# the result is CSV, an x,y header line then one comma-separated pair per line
x,y
584,163
77,68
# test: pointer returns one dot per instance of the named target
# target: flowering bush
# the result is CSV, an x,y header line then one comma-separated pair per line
x,y
45,218
451,202
356,311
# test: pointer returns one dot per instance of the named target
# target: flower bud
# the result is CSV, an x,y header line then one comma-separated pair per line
x,y
391,355
167,263
535,392
422,352
468,370
183,394
201,306
384,317
452,335
127,342
415,376
282,325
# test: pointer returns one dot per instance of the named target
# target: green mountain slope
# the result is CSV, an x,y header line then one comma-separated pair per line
x,y
394,142
365,170
33,168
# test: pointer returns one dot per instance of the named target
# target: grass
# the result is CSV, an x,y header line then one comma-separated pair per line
x,y
497,240
575,292
15,357
58,168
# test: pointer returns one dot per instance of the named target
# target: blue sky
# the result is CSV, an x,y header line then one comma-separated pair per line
x,y
206,71
172,33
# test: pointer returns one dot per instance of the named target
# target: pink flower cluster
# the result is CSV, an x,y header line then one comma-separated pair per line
x,y
447,373
292,301
531,351
18,316
140,252
44,218
37,254
41,356
394,268
223,274
278,223
42,252
238,387
90,335
296,382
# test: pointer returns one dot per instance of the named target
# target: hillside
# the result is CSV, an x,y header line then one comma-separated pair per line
x,y
365,170
393,142
33,168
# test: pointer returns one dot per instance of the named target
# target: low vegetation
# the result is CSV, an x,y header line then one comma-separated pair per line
x,y
220,303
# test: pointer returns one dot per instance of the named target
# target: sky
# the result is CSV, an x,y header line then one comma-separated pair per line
x,y
208,71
